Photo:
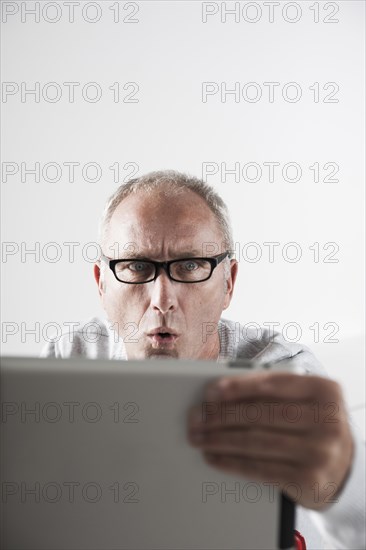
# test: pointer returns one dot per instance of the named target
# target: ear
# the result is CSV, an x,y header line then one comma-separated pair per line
x,y
231,282
98,279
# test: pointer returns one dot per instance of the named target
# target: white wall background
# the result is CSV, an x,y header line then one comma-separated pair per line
x,y
169,52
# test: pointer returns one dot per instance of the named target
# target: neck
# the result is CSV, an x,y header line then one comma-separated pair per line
x,y
212,352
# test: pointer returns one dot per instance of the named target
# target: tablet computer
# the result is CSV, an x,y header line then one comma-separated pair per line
x,y
95,456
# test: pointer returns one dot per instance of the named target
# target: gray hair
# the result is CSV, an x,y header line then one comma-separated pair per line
x,y
173,183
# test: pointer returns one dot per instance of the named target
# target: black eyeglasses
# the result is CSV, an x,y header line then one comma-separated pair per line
x,y
187,270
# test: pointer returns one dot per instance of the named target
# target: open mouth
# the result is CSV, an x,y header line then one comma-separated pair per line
x,y
162,337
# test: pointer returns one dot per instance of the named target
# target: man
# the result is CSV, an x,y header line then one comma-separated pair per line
x,y
164,294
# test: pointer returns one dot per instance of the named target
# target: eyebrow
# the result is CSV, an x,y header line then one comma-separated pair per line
x,y
180,255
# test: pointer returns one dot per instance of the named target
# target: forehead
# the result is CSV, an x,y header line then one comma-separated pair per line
x,y
156,224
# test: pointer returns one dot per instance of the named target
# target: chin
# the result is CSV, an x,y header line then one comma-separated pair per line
x,y
161,354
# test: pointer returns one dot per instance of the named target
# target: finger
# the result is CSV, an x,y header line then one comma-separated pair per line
x,y
272,385
281,415
265,445
284,476
302,486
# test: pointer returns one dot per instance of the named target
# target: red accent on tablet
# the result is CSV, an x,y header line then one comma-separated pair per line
x,y
300,543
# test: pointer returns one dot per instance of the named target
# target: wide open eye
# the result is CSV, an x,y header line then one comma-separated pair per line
x,y
139,267
135,271
191,270
189,265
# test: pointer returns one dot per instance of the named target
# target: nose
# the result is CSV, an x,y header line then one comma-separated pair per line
x,y
163,293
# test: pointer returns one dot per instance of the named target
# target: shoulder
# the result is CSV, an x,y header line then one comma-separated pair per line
x,y
264,345
93,339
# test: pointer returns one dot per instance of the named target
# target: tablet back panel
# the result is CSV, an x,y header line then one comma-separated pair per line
x,y
94,456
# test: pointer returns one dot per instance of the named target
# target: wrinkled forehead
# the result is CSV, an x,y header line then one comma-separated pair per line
x,y
160,226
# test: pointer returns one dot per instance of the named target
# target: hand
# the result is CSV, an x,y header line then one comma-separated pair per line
x,y
282,428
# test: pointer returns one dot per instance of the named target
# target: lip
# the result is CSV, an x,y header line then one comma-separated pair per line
x,y
159,341
165,330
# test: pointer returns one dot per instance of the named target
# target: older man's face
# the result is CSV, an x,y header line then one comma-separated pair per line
x,y
159,228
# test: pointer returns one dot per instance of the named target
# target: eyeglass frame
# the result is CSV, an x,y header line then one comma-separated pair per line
x,y
214,261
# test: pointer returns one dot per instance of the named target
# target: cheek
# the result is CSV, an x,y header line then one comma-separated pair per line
x,y
124,303
204,302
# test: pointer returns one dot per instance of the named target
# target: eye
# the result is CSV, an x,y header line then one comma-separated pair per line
x,y
139,266
191,270
190,265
